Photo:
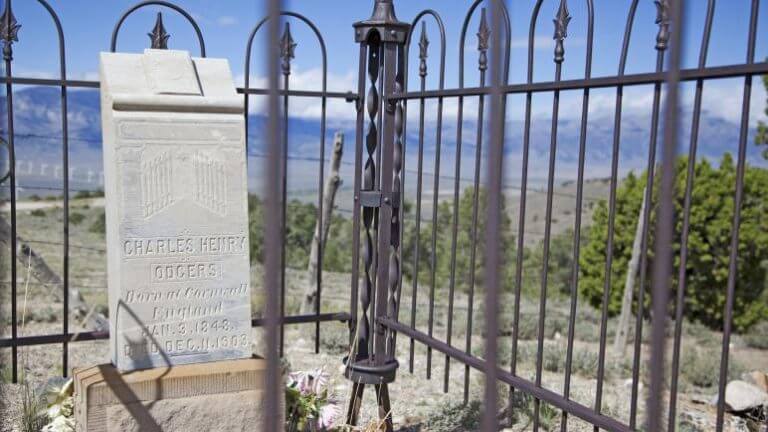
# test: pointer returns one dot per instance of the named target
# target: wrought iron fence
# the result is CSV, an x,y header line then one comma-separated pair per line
x,y
381,101
9,32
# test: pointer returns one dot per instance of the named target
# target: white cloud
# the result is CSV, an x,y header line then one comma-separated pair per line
x,y
226,21
337,110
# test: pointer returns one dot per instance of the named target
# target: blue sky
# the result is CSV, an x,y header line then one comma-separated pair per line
x,y
226,25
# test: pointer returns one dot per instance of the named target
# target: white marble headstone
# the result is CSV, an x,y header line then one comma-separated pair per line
x,y
176,210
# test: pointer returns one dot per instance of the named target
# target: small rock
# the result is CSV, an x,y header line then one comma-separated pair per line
x,y
699,399
757,379
743,396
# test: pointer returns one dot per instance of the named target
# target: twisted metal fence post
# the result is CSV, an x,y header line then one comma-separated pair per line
x,y
372,361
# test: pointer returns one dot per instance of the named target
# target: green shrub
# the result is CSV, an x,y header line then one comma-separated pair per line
x,y
549,417
701,367
456,417
5,374
585,363
757,337
33,416
709,242
99,226
528,327
523,411
44,315
37,213
76,218
587,331
335,341
554,357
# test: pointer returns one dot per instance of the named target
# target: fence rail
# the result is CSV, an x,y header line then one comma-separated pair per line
x,y
9,33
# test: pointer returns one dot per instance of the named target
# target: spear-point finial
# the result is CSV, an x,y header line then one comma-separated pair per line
x,y
287,49
384,10
423,46
159,36
663,19
561,30
483,38
9,30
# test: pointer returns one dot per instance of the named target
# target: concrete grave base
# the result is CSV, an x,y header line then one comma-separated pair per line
x,y
217,396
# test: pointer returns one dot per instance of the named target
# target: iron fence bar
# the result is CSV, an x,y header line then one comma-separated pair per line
x,y
377,187
691,172
578,213
622,68
169,5
65,163
523,201
648,196
356,212
561,32
307,318
55,338
8,32
403,71
628,80
419,179
364,339
50,82
670,13
483,41
320,198
583,412
455,220
349,96
272,237
738,199
377,212
423,71
492,243
288,46
686,75
286,54
433,251
396,200
482,65
662,42
87,336
386,211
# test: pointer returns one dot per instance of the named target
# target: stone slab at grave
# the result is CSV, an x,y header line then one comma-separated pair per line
x,y
176,210
221,396
177,251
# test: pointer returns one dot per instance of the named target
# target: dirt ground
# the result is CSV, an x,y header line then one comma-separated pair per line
x,y
418,403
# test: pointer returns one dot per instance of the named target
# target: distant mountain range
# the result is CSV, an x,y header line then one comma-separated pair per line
x,y
37,124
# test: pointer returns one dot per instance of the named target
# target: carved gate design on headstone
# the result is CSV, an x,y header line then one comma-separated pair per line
x,y
157,183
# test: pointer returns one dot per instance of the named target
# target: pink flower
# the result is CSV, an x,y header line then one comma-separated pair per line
x,y
328,414
309,382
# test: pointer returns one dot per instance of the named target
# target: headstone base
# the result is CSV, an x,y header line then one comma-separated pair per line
x,y
217,396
